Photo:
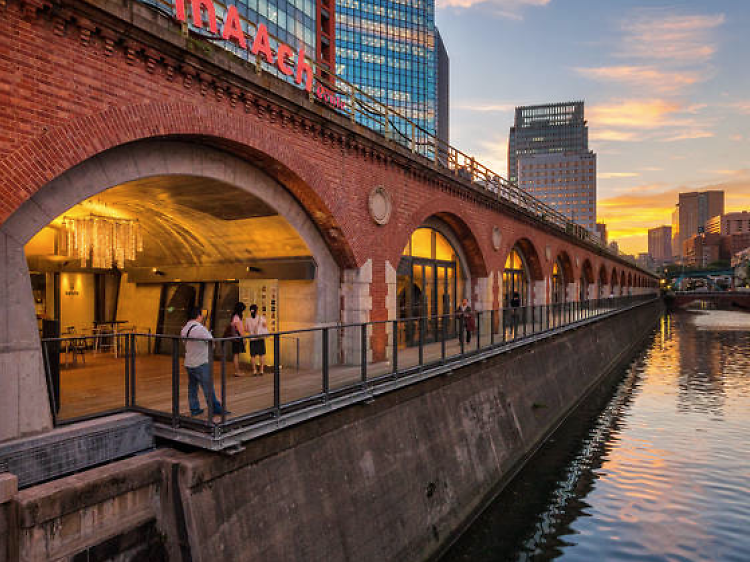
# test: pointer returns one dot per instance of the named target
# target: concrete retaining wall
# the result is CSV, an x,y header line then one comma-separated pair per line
x,y
390,480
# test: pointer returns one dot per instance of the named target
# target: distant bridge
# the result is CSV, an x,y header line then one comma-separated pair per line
x,y
734,298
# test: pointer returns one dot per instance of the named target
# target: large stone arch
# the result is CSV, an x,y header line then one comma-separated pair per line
x,y
25,407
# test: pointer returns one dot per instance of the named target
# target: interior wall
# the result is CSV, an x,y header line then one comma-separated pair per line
x,y
139,304
76,301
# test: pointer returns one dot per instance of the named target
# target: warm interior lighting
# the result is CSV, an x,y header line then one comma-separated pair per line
x,y
101,241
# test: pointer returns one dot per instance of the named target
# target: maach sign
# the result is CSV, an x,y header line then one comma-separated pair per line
x,y
204,15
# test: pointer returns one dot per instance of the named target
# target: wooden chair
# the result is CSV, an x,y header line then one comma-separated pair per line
x,y
76,346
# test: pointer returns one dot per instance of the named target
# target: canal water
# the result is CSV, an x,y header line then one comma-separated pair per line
x,y
656,468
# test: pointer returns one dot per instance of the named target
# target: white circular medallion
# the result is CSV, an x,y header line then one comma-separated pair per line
x,y
497,238
380,205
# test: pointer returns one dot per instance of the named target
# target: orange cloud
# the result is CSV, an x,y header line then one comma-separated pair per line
x,y
644,76
629,215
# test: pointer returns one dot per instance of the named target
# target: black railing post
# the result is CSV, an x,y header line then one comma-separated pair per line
x,y
223,372
395,346
363,352
479,330
175,382
324,362
421,340
133,351
276,374
461,329
493,314
443,324
525,319
127,371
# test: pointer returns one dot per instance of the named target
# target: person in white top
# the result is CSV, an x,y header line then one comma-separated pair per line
x,y
197,348
255,325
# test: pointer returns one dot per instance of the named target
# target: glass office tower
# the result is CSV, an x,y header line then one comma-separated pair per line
x,y
388,49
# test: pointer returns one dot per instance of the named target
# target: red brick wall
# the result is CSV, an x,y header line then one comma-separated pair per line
x,y
71,89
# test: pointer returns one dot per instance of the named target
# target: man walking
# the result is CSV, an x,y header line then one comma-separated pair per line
x,y
197,346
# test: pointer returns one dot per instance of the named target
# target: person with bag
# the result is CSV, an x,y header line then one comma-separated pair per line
x,y
235,330
255,325
466,316
197,345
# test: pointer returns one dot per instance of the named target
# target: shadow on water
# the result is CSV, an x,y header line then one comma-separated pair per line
x,y
529,517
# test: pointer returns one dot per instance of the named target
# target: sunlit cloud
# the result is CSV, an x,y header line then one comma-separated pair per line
x,y
512,9
742,106
612,135
678,38
636,114
630,213
665,81
688,135
493,153
651,169
736,138
617,175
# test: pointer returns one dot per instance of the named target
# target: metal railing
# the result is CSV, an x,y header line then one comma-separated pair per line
x,y
334,362
367,110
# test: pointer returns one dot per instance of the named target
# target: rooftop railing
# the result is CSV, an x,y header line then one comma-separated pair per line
x,y
310,372
367,110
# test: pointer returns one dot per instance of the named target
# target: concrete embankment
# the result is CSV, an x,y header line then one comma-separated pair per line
x,y
390,480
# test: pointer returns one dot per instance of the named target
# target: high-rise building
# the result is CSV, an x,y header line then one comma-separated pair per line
x,y
660,244
564,181
443,94
729,223
601,231
389,50
546,129
548,156
692,212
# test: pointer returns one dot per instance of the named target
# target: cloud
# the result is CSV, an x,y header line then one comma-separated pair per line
x,y
632,212
688,135
664,81
511,9
742,106
677,38
485,107
736,138
493,153
617,175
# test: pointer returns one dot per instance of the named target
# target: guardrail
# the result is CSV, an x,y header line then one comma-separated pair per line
x,y
335,362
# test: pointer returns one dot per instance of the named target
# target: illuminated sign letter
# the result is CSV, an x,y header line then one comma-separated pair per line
x,y
303,67
232,28
284,52
208,5
179,10
261,44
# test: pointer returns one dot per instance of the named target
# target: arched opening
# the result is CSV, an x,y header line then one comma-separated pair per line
x,y
602,282
432,279
128,249
613,286
558,283
516,279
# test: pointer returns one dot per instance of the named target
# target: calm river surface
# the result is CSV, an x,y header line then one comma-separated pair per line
x,y
656,469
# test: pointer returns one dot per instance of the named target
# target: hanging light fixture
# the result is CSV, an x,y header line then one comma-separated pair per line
x,y
101,241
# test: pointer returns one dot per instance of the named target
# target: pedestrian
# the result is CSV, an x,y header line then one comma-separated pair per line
x,y
197,347
255,325
235,330
466,317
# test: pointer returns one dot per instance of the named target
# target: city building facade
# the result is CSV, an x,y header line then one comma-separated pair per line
x,y
601,232
390,49
703,249
691,214
660,244
729,223
565,181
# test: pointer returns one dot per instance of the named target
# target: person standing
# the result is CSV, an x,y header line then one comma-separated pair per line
x,y
466,317
255,325
236,330
197,347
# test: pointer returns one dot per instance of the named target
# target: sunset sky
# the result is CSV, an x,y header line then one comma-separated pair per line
x,y
666,86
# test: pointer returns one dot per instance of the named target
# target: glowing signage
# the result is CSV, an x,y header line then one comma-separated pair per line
x,y
203,15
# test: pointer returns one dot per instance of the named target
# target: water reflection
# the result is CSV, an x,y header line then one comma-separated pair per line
x,y
662,472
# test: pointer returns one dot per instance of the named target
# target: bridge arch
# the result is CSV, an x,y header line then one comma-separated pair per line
x,y
523,274
562,277
586,281
603,281
614,282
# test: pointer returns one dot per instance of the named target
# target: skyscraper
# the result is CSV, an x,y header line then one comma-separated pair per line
x,y
389,50
548,156
691,214
660,244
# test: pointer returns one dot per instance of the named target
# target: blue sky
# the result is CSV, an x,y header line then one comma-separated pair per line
x,y
666,86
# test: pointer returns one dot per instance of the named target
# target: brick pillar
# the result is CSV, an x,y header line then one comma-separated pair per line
x,y
356,307
540,292
391,305
572,292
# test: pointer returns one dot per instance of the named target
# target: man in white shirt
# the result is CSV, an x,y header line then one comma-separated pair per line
x,y
197,347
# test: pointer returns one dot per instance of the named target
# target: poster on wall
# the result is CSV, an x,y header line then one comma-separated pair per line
x,y
264,293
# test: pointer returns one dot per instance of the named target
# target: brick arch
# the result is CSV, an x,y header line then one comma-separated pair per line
x,y
569,270
531,258
460,227
614,280
587,271
38,162
603,277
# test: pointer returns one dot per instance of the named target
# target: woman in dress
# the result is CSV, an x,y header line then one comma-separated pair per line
x,y
255,325
238,344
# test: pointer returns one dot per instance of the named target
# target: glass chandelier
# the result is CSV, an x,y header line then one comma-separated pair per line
x,y
102,241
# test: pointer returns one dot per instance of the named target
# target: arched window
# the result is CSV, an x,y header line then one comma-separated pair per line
x,y
558,283
515,278
430,281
